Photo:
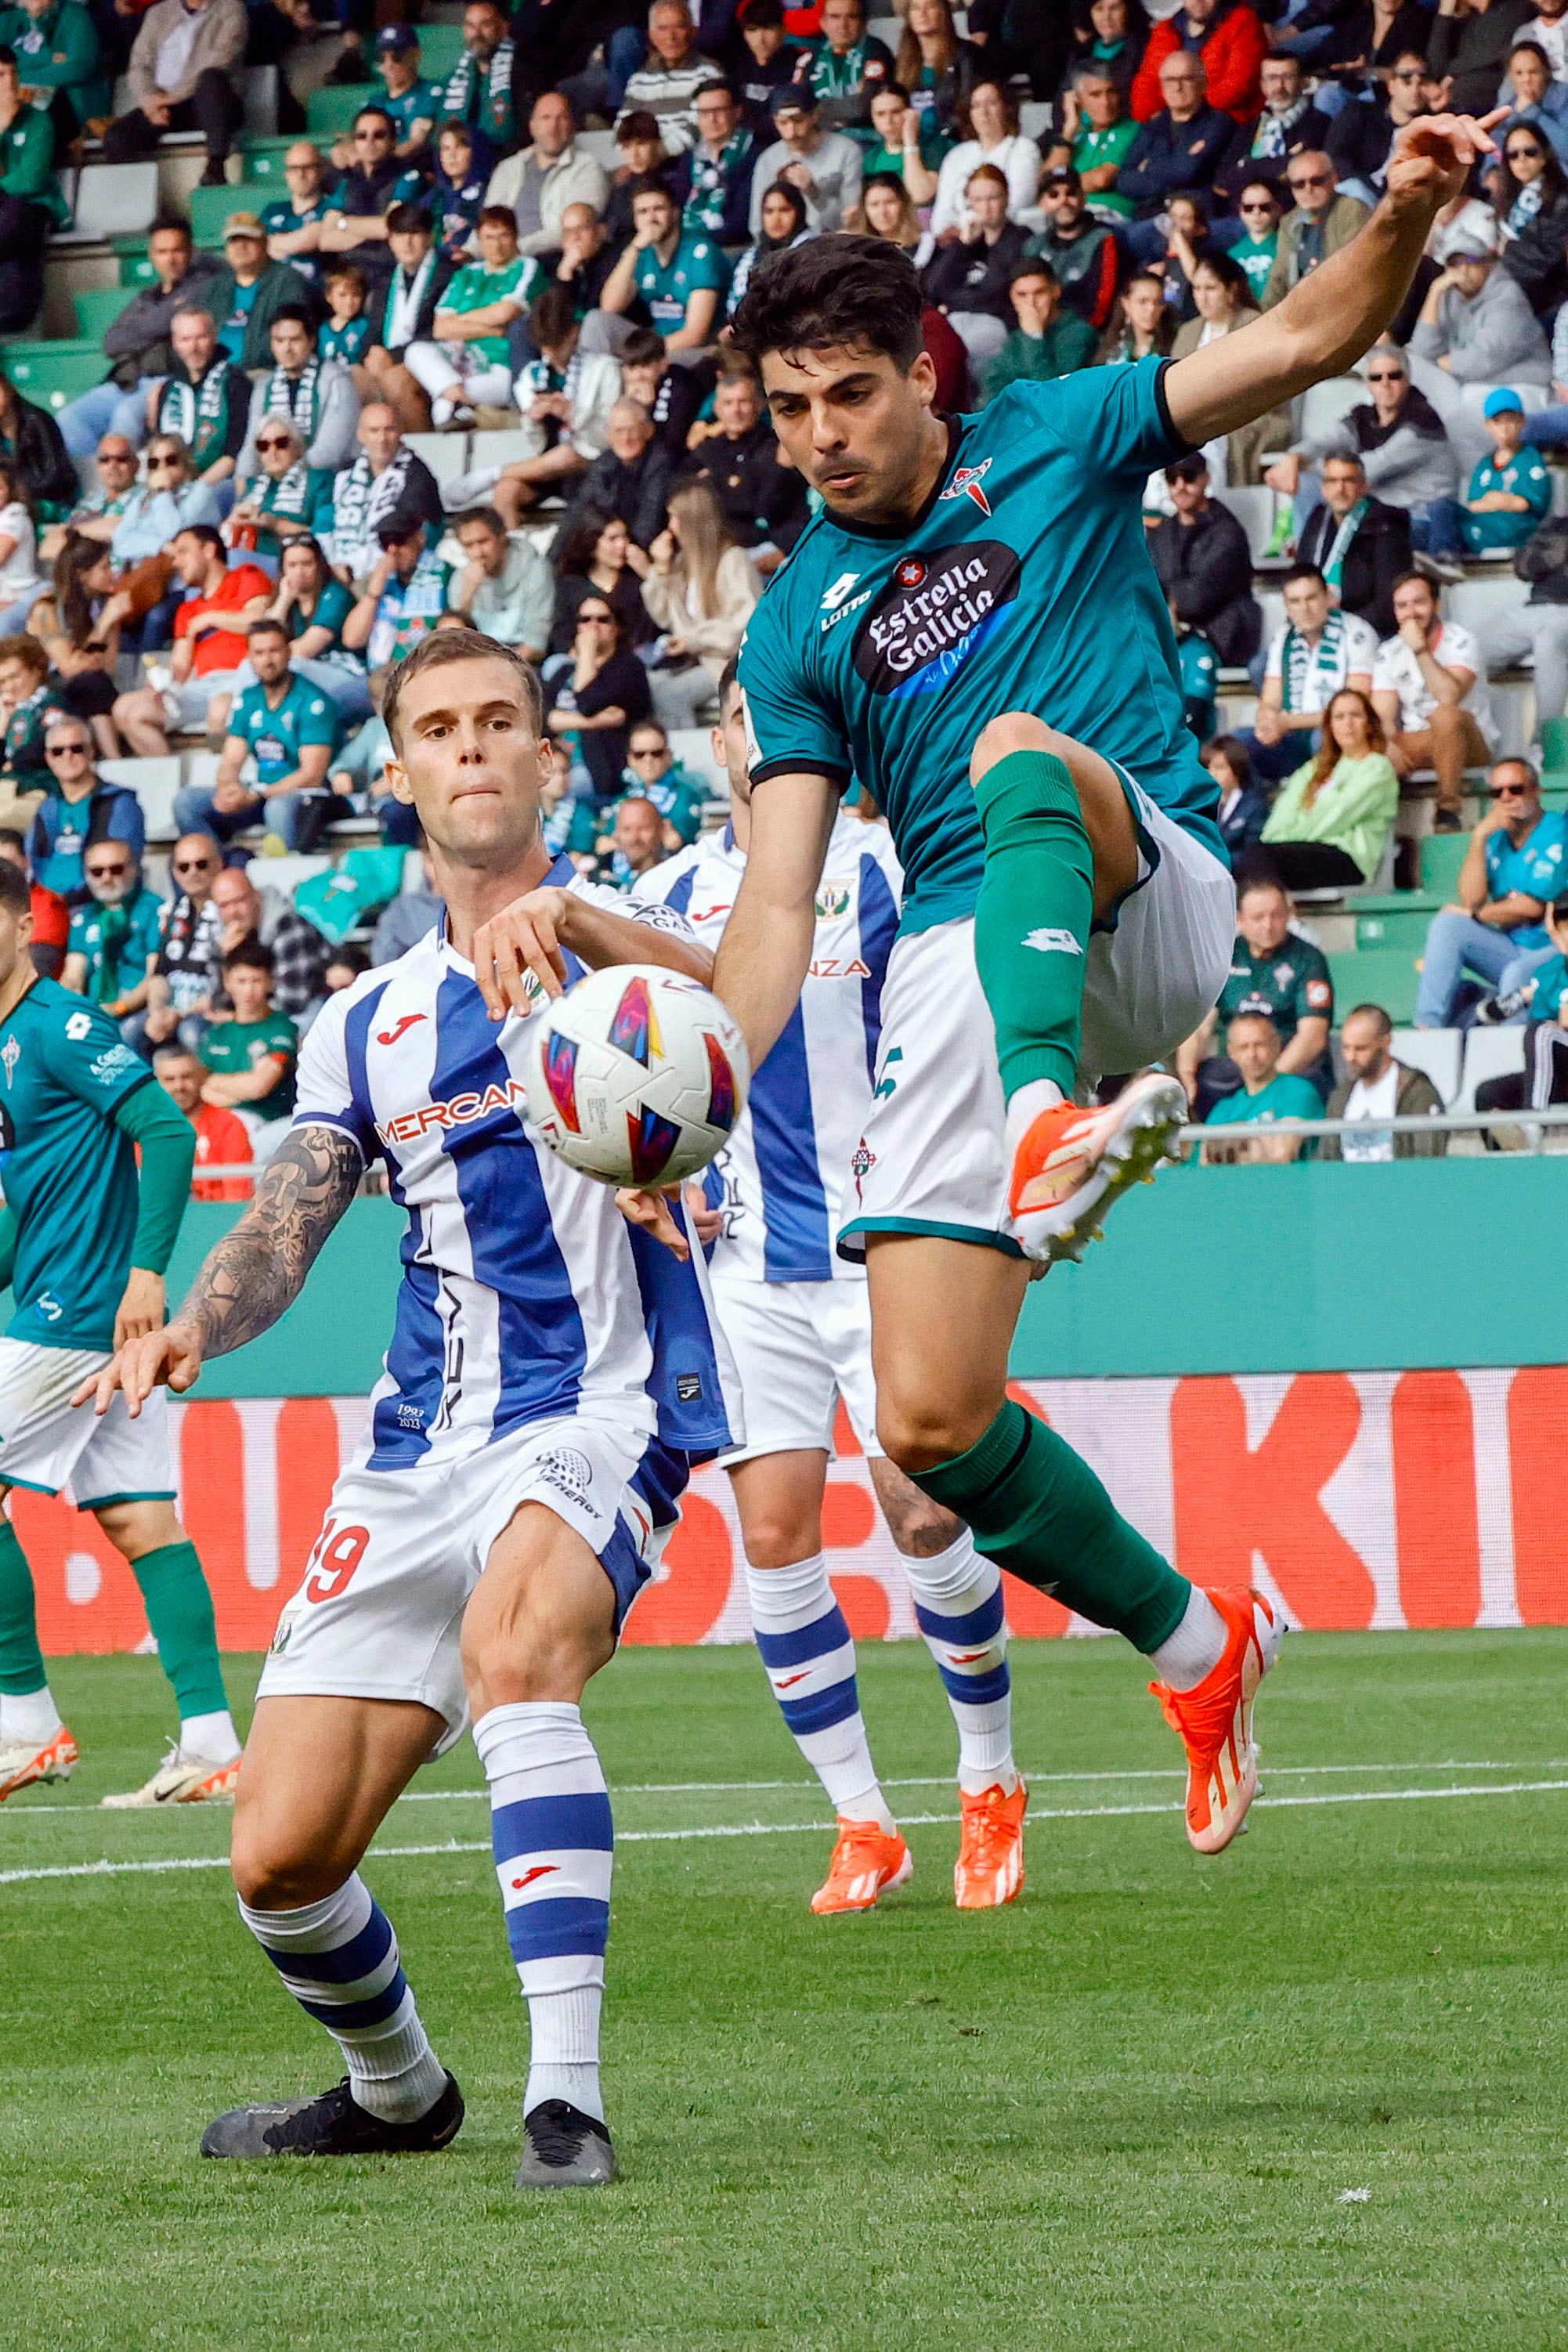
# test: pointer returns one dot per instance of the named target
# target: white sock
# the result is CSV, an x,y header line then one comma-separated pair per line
x,y
805,1646
1033,1096
1196,1646
209,1739
392,2071
554,1843
32,1715
958,1607
441,411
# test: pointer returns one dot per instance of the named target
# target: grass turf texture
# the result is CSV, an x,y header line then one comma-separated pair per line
x,y
1125,2111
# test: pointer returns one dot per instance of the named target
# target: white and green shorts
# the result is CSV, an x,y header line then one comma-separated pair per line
x,y
932,1158
45,1442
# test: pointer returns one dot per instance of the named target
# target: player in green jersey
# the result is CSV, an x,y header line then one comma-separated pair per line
x,y
83,1245
973,626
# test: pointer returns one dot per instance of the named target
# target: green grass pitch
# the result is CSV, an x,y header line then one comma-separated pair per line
x,y
1313,2094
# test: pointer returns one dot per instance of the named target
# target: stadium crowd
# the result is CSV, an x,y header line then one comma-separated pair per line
x,y
260,537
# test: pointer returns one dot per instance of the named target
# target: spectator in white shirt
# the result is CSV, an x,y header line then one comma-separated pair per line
x,y
1319,651
988,133
1429,688
1548,28
547,176
826,167
1379,1088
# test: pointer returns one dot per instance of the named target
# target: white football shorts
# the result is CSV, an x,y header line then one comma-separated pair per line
x,y
798,1347
379,1610
47,1443
931,1159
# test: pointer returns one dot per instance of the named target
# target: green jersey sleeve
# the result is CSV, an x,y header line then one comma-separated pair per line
x,y
1312,997
1115,418
84,1055
789,728
318,722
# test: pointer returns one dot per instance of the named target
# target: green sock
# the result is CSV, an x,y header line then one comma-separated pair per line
x,y
180,1612
1037,1510
21,1660
1033,915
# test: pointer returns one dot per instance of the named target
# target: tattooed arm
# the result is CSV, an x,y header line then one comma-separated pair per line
x,y
254,1274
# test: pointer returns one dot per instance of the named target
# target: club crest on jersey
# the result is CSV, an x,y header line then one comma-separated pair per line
x,y
966,484
832,898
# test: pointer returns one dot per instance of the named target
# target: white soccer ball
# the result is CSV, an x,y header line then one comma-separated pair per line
x,y
636,1076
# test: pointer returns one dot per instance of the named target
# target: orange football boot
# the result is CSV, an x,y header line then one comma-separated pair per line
x,y
21,1763
990,1865
1070,1166
1215,1720
865,1862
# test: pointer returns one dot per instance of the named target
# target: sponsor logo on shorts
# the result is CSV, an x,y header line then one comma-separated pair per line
x,y
933,617
966,484
570,1473
1050,942
461,1111
688,1387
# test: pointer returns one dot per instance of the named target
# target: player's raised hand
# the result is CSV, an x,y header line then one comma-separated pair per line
x,y
519,947
166,1359
650,1210
1432,157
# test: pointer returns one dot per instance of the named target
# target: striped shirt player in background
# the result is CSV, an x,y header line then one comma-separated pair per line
x,y
798,1318
554,1365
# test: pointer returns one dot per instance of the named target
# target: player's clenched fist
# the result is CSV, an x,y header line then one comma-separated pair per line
x,y
168,1358
1432,157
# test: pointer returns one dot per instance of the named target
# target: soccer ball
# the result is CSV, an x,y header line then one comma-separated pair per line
x,y
636,1076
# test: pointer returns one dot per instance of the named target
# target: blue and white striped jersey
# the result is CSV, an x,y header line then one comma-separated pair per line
x,y
781,1177
525,1293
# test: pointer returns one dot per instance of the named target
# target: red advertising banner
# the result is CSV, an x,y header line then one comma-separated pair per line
x,y
1360,1500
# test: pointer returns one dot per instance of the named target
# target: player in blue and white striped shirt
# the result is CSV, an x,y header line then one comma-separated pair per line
x,y
798,1318
553,1367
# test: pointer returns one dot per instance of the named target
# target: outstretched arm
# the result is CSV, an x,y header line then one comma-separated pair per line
x,y
1336,313
256,1272
765,953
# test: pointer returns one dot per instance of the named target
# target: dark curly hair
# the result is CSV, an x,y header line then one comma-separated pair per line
x,y
860,292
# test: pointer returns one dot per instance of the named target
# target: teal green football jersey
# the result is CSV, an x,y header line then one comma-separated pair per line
x,y
1025,585
277,736
70,1175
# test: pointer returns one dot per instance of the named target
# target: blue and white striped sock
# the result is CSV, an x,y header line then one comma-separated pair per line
x,y
554,1849
339,1959
958,1608
805,1646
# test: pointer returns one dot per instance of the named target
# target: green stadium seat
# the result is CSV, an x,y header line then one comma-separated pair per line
x,y
1442,854
263,161
1554,746
440,46
1385,976
136,270
98,308
332,110
1398,920
210,208
53,373
1554,792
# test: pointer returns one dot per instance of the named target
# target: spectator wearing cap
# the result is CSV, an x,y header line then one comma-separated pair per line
x,y
252,290
1476,327
1321,649
1429,689
769,59
182,76
1083,252
413,102
1268,1096
1358,543
1319,222
826,167
1275,971
1376,1086
1205,565
847,65
968,277
1094,134
547,176
1513,871
1510,491
672,72
1047,340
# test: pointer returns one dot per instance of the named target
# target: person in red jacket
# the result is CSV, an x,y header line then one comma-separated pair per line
x,y
1232,42
221,1140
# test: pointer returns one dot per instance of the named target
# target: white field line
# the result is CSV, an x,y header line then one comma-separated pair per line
x,y
938,1780
793,1829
